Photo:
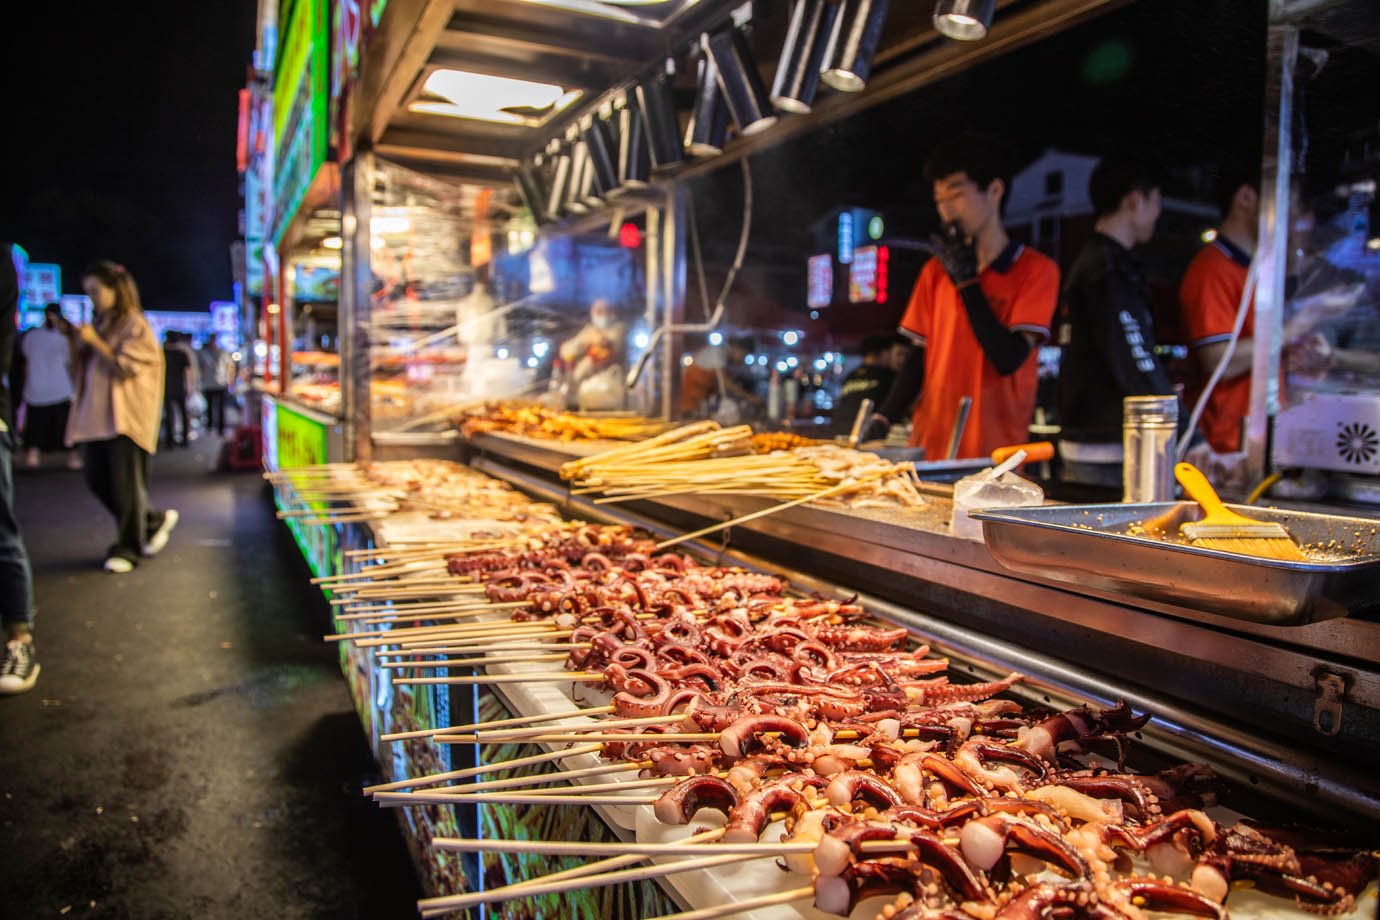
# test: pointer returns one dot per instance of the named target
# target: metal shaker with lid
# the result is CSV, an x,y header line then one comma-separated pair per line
x,y
1149,435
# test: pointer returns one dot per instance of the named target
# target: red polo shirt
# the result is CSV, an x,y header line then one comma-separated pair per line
x,y
1210,295
1022,286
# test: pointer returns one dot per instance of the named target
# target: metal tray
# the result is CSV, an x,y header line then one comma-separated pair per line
x,y
1088,546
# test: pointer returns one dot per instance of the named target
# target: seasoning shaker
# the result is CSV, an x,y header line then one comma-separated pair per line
x,y
1149,436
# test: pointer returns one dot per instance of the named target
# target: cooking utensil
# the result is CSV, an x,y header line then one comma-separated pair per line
x,y
965,405
1035,452
1225,530
1100,548
860,421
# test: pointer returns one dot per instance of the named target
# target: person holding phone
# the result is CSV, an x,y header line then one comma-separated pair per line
x,y
978,311
47,354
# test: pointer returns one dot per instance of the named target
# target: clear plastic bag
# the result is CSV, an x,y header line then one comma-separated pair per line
x,y
982,491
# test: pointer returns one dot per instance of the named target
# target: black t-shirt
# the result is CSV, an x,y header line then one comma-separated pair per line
x,y
864,383
1107,332
175,365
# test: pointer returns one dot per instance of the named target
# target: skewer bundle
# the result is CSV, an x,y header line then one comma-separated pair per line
x,y
790,711
707,460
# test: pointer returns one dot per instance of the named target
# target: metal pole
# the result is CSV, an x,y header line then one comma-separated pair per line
x,y
673,229
1272,248
355,306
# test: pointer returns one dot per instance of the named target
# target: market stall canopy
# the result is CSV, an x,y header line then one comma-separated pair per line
x,y
550,63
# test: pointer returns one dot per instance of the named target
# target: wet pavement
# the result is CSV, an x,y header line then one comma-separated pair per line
x,y
190,749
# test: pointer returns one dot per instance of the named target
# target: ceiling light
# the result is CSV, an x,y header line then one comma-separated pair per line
x,y
797,72
852,43
484,97
965,20
707,129
634,164
741,83
656,103
333,242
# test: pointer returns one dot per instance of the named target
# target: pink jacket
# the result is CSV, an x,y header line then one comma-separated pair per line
x,y
123,397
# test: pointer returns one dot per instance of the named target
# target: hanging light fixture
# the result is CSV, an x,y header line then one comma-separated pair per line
x,y
657,106
965,20
581,179
559,191
599,142
634,164
743,91
797,72
852,43
533,191
708,127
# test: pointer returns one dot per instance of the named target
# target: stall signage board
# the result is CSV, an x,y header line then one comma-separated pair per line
x,y
867,275
301,440
42,285
819,281
300,106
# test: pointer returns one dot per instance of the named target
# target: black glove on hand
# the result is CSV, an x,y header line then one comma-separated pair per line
x,y
956,254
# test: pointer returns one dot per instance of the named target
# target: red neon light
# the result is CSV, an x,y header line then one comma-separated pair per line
x,y
629,236
883,253
242,132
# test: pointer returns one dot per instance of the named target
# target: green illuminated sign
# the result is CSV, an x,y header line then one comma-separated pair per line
x,y
875,227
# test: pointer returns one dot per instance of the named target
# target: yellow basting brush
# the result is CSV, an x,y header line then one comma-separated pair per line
x,y
1226,531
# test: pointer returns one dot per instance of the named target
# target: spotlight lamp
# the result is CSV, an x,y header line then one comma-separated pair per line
x,y
965,20
797,71
739,81
533,191
634,163
657,106
559,192
707,129
601,146
852,44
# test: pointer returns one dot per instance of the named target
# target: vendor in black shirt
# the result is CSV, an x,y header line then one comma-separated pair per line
x,y
870,380
1106,326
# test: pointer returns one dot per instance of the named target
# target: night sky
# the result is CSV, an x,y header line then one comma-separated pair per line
x,y
121,139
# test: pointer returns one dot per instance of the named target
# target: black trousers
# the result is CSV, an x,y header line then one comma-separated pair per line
x,y
117,472
174,404
215,410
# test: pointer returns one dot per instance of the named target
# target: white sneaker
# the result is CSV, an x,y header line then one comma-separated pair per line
x,y
118,565
160,536
19,668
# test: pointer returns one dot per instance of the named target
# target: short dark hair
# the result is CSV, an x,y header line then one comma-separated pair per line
x,y
876,343
1118,175
1233,174
981,156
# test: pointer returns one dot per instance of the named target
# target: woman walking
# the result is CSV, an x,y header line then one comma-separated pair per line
x,y
119,378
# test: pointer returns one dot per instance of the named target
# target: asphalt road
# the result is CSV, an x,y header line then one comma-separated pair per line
x,y
190,750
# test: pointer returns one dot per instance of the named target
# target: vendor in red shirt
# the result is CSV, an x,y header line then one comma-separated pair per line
x,y
978,311
1210,296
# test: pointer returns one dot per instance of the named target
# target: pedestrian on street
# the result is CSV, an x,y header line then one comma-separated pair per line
x,y
19,665
115,416
177,383
47,354
215,368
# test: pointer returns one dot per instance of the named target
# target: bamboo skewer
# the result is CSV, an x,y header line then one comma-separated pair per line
x,y
483,649
563,737
582,848
497,723
436,778
522,734
474,662
524,677
833,490
433,906
736,907
509,798
564,776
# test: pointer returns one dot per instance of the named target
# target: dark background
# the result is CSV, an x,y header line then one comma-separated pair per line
x,y
120,139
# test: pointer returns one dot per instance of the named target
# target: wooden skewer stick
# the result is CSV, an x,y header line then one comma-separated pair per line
x,y
563,737
392,636
495,735
582,848
496,723
386,799
405,616
434,906
564,776
524,677
429,610
482,649
742,519
437,778
587,869
736,907
474,662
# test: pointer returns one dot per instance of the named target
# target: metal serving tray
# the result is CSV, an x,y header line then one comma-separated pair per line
x,y
1088,546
